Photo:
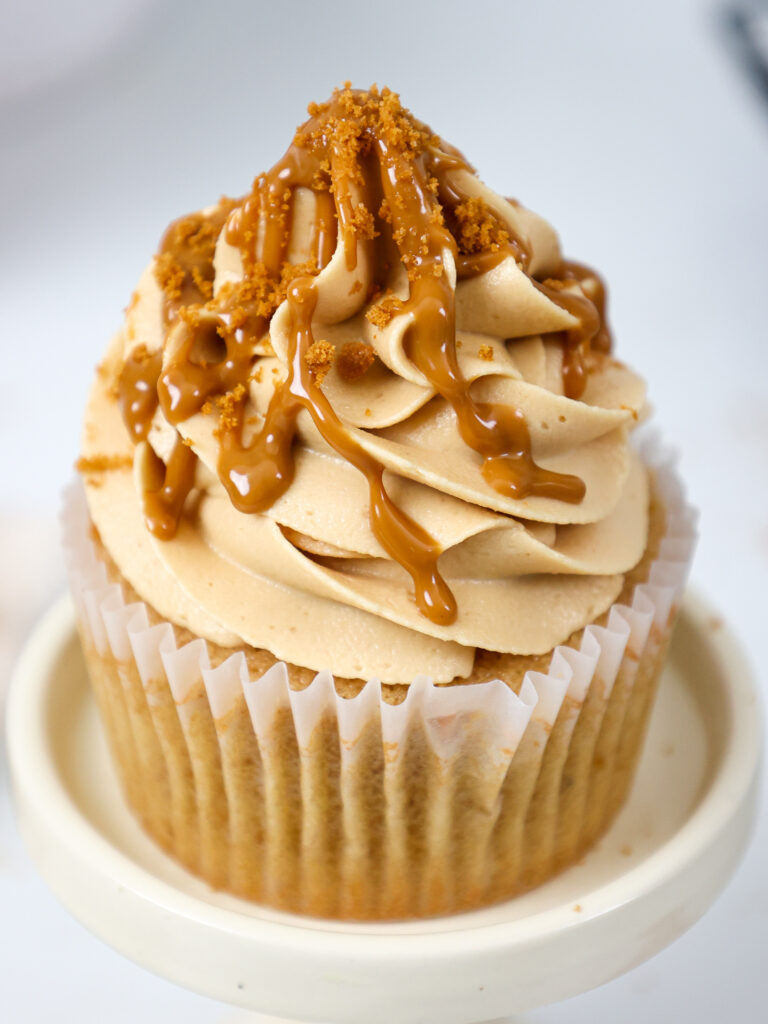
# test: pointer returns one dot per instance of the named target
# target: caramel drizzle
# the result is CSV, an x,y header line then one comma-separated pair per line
x,y
164,501
137,391
186,262
497,432
214,344
257,475
591,332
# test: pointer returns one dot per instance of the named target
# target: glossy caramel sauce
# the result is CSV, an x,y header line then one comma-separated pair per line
x,y
381,180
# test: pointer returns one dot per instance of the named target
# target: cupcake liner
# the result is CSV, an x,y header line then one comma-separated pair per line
x,y
358,808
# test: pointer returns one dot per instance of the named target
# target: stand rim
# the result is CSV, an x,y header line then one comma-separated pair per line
x,y
699,857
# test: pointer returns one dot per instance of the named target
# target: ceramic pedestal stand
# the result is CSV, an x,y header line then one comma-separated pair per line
x,y
667,856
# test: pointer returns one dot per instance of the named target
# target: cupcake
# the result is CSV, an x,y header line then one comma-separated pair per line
x,y
373,586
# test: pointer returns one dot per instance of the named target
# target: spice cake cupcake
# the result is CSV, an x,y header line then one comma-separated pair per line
x,y
373,588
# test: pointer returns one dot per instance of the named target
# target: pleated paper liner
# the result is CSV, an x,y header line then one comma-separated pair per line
x,y
358,808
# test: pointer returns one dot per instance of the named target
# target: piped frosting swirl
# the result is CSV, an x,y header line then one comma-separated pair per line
x,y
373,397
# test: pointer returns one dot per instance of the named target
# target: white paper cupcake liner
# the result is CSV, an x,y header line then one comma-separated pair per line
x,y
515,731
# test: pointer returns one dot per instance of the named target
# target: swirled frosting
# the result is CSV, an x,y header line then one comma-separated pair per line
x,y
366,417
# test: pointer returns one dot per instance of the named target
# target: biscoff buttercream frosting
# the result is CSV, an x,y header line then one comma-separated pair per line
x,y
367,418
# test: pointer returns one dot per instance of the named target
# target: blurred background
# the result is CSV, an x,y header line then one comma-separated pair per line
x,y
639,130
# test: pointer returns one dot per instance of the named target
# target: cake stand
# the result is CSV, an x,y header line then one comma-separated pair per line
x,y
667,856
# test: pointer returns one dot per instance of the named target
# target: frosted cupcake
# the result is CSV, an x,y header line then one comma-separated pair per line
x,y
373,588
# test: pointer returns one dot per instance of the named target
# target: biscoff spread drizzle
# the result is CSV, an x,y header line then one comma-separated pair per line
x,y
379,178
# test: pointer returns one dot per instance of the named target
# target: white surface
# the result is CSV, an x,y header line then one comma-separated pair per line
x,y
668,854
626,124
54,40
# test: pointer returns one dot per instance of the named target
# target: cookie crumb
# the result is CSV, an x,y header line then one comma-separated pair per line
x,y
354,360
319,359
227,404
88,464
476,227
380,314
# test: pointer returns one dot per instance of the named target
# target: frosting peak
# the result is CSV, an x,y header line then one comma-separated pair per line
x,y
372,368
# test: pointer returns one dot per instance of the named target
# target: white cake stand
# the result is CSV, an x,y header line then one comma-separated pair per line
x,y
668,855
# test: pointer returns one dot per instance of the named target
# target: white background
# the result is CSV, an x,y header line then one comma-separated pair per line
x,y
631,126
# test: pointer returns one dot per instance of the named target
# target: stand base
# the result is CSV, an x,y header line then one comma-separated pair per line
x,y
667,856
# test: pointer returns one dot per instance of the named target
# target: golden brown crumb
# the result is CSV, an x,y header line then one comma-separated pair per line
x,y
187,441
141,354
204,286
196,233
363,223
170,275
290,271
88,464
476,227
251,301
349,129
322,178
184,267
319,359
485,352
354,360
190,315
382,312
228,409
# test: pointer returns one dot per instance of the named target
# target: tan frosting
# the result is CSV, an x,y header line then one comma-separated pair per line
x,y
307,578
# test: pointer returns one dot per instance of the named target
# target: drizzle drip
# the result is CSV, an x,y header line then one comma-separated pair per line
x,y
591,331
137,391
166,488
497,432
184,270
257,475
382,180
